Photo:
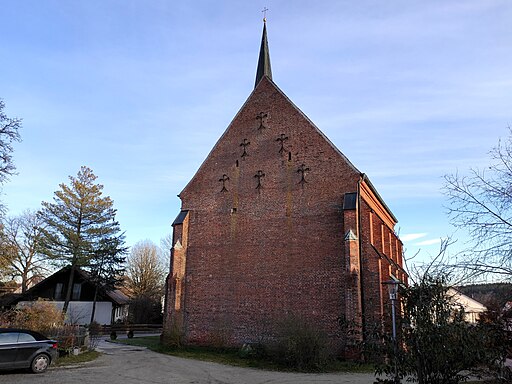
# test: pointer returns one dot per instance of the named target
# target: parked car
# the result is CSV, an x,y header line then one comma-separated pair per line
x,y
22,348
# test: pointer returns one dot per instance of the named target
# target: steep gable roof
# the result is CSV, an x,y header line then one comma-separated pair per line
x,y
254,94
115,296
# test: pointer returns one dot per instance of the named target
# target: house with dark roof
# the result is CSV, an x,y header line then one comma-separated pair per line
x,y
111,305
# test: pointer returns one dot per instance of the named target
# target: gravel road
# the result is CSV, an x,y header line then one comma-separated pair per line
x,y
122,364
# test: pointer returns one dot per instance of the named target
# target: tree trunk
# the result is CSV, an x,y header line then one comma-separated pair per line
x,y
94,304
69,289
24,284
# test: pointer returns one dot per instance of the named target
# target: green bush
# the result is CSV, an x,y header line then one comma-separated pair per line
x,y
436,345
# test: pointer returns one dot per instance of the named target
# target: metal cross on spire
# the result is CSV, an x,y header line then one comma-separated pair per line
x,y
265,9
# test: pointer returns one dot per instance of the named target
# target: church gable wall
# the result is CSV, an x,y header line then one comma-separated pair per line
x,y
266,227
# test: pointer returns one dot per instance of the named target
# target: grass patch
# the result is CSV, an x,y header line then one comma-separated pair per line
x,y
81,358
150,342
232,356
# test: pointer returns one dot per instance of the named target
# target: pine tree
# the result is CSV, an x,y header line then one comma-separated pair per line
x,y
107,266
81,230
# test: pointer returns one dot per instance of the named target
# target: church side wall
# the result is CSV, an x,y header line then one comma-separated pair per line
x,y
381,259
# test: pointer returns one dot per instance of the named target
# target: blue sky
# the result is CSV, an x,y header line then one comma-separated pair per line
x,y
140,91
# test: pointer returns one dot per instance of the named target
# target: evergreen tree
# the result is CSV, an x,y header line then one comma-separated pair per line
x,y
81,230
107,266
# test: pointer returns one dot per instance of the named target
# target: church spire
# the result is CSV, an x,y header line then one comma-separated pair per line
x,y
264,68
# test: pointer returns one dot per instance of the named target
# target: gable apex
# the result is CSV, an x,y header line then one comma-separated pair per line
x,y
267,82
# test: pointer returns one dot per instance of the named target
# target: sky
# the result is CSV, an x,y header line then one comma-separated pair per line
x,y
140,91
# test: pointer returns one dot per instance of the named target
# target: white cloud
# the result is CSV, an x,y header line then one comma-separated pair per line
x,y
412,236
429,242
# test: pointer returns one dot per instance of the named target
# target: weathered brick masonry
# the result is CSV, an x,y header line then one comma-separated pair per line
x,y
278,222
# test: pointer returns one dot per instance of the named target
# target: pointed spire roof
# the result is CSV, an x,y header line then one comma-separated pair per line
x,y
264,68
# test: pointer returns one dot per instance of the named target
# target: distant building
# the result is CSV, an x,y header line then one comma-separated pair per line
x,y
472,308
111,305
277,222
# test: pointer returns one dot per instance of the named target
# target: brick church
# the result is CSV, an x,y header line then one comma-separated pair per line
x,y
278,222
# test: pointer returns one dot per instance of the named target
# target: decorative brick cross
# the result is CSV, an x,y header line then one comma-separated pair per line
x,y
281,140
224,179
262,118
302,170
259,175
244,144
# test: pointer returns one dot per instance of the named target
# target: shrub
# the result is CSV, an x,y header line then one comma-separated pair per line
x,y
436,345
69,337
145,310
301,345
95,332
41,316
172,336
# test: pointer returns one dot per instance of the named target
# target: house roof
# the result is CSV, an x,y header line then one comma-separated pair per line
x,y
115,295
180,218
469,304
7,299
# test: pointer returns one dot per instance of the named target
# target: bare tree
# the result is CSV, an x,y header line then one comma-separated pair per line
x,y
8,134
19,242
166,246
481,203
146,270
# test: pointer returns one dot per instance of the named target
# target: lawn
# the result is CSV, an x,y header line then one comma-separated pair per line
x,y
231,356
78,359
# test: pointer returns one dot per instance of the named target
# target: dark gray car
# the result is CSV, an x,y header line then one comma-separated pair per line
x,y
21,348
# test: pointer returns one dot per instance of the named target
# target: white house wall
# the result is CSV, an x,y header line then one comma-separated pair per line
x,y
472,308
79,312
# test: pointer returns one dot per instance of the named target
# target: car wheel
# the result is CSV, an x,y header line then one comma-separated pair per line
x,y
40,363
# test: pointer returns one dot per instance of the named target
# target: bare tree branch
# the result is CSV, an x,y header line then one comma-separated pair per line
x,y
481,204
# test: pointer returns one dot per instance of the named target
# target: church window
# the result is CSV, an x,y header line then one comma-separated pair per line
x,y
371,228
382,238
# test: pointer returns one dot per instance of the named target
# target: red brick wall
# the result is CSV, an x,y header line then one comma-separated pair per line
x,y
255,255
380,260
